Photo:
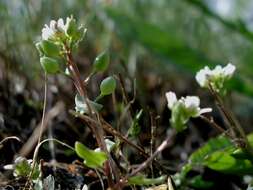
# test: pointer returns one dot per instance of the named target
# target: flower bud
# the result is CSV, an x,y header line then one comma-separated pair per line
x,y
71,27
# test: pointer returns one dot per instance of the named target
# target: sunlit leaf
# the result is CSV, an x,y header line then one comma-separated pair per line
x,y
91,158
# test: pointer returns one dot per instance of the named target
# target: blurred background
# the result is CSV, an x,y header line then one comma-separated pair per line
x,y
160,43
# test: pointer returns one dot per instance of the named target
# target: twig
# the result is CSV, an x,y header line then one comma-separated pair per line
x,y
162,146
168,141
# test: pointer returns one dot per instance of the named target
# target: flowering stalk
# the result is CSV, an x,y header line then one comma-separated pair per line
x,y
237,130
97,130
55,48
215,80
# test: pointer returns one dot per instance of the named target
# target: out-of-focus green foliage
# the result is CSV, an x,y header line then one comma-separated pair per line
x,y
183,35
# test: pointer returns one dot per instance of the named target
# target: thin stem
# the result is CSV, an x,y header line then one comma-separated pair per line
x,y
44,109
234,124
100,179
35,154
215,125
9,138
98,131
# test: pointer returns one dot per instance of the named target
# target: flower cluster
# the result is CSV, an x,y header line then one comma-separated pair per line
x,y
57,38
54,29
183,109
216,77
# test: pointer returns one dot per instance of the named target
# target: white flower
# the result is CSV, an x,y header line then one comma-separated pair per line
x,y
171,98
49,32
229,70
189,103
217,75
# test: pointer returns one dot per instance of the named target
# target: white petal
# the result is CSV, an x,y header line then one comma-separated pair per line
x,y
205,110
53,24
60,24
217,70
202,76
9,167
192,102
229,70
171,99
47,33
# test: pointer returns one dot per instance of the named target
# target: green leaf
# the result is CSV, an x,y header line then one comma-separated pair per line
x,y
91,158
50,65
223,162
219,154
135,128
101,62
216,144
50,49
82,107
200,183
142,180
22,167
107,86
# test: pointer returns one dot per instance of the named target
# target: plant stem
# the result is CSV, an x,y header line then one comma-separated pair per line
x,y
234,124
97,130
35,154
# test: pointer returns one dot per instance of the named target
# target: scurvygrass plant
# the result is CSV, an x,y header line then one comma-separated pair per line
x,y
56,47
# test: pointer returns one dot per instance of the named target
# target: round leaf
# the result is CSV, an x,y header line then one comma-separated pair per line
x,y
101,62
50,65
50,49
107,86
